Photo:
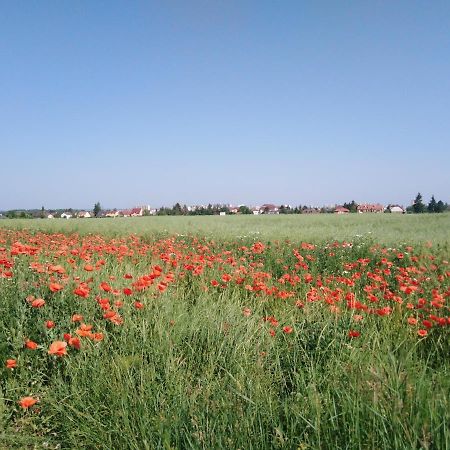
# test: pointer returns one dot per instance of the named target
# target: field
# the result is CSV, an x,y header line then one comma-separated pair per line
x,y
296,332
382,228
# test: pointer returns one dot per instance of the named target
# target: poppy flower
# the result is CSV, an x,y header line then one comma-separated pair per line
x,y
27,402
31,345
77,318
127,291
74,342
11,363
98,337
82,291
38,303
138,305
49,324
105,287
55,287
58,348
287,330
422,333
246,312
353,334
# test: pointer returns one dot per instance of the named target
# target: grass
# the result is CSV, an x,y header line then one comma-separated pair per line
x,y
198,367
383,228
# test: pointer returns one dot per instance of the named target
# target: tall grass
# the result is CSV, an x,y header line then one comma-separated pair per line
x,y
383,228
191,371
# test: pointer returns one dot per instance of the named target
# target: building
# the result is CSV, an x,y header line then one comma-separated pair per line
x,y
341,210
268,208
370,208
396,209
137,212
310,211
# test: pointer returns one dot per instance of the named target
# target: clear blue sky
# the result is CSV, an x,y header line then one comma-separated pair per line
x,y
154,102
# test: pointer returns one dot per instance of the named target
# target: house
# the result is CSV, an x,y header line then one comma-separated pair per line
x,y
84,215
66,215
50,216
341,210
233,209
112,213
268,208
396,209
125,213
222,213
310,211
137,212
255,211
370,208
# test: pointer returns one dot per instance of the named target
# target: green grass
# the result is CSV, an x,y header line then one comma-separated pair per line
x,y
190,370
383,228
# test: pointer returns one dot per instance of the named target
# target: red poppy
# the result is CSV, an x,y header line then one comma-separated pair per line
x,y
58,348
49,324
74,342
55,287
31,345
82,291
38,303
353,334
27,402
11,363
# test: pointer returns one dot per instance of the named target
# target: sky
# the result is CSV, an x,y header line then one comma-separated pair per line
x,y
223,101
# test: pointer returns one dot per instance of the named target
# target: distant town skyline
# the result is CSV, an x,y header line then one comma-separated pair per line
x,y
313,103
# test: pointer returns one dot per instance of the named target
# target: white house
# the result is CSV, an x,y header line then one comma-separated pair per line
x,y
396,209
114,213
84,215
66,215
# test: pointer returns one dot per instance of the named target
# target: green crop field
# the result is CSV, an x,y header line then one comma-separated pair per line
x,y
383,228
285,332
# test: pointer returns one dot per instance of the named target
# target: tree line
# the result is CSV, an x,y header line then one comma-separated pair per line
x,y
419,207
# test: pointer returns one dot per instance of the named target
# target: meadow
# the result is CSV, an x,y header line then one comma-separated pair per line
x,y
382,228
290,332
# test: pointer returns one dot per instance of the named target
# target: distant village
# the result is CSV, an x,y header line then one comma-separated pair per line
x,y
417,206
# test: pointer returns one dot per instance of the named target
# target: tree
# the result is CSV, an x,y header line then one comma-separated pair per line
x,y
177,210
42,214
97,209
418,206
440,206
352,206
244,209
432,206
